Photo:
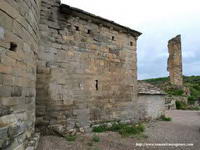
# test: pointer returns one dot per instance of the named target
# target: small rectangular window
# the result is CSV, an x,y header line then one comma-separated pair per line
x,y
113,38
77,28
88,31
131,43
97,85
13,46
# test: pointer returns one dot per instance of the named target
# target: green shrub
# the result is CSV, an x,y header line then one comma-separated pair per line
x,y
101,128
196,86
116,127
175,92
195,93
193,108
164,118
158,80
191,82
141,127
123,129
191,100
70,137
181,105
131,130
90,144
95,138
178,105
184,106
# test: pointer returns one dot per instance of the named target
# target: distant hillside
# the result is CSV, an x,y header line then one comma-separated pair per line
x,y
192,82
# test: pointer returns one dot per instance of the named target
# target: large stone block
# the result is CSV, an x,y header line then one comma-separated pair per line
x,y
5,20
16,91
16,130
6,7
8,101
4,143
3,132
5,91
5,110
5,69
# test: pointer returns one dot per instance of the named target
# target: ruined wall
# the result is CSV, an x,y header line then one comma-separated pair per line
x,y
175,61
170,101
151,106
18,48
86,71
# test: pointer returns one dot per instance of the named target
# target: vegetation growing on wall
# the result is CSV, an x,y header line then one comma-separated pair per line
x,y
192,82
184,106
181,105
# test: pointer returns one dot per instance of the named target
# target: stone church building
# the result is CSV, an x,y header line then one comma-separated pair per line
x,y
86,69
62,66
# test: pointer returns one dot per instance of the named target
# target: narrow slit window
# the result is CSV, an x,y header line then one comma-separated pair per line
x,y
131,43
113,38
88,31
77,28
13,46
97,85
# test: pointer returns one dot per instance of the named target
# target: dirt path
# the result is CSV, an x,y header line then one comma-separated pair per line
x,y
184,128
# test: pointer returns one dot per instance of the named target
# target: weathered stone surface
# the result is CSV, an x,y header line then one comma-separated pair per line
x,y
151,107
4,110
5,91
81,130
19,34
170,101
4,143
89,73
16,91
149,89
151,101
3,132
175,61
81,72
32,144
2,32
16,130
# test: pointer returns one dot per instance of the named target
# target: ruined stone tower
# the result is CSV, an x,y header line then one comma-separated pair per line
x,y
175,61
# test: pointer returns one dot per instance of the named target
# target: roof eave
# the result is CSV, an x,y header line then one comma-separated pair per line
x,y
68,9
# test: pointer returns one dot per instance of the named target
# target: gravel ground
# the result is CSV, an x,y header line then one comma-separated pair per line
x,y
184,128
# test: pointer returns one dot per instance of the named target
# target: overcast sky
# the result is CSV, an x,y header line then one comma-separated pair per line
x,y
159,21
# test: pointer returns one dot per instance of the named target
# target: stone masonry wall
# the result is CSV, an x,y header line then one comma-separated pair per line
x,y
18,50
175,61
151,106
86,71
77,71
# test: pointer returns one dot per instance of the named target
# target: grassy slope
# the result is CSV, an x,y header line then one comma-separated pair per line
x,y
193,82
